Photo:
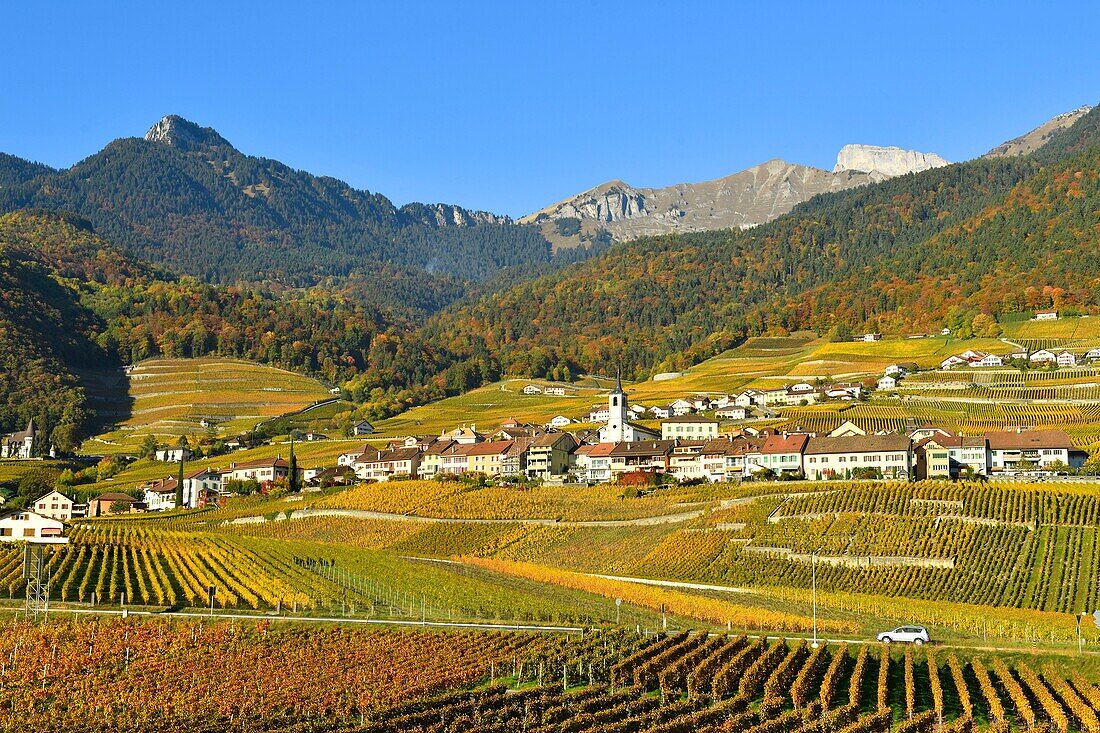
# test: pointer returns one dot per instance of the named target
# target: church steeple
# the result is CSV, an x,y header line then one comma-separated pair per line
x,y
617,412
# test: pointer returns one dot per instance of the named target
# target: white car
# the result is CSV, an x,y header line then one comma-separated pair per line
x,y
913,634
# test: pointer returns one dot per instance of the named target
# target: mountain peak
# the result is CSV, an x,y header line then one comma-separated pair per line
x,y
181,133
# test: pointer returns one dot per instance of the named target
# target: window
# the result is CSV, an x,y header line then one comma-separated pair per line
x,y
43,506
28,532
5,531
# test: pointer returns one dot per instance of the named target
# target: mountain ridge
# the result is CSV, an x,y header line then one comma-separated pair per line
x,y
182,195
740,200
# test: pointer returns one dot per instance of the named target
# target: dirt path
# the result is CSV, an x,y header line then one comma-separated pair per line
x,y
541,522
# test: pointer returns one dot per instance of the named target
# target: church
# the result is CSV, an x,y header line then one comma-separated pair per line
x,y
619,429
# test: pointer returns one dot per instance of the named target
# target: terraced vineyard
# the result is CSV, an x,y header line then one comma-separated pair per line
x,y
170,397
1000,545
488,682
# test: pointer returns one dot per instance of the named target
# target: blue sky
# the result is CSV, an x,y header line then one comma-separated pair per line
x,y
511,106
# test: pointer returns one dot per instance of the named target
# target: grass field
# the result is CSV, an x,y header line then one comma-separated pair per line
x,y
489,406
1063,328
170,397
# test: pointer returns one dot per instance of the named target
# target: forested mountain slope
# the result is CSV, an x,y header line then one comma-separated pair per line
x,y
994,235
185,198
71,301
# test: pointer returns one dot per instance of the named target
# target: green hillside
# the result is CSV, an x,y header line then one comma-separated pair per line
x,y
907,255
169,398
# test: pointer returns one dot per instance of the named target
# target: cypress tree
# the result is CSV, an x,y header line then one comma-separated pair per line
x,y
179,485
293,478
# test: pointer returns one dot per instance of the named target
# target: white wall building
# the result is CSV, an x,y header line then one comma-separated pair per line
x,y
54,505
20,525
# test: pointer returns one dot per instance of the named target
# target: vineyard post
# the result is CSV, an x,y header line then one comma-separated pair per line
x,y
813,580
618,603
1080,641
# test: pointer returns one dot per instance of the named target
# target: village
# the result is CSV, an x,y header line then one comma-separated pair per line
x,y
699,438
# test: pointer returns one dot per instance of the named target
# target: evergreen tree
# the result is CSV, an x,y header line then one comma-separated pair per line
x,y
179,485
293,478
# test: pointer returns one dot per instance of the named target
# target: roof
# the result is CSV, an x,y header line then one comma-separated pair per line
x,y
49,493
858,444
115,496
439,447
161,486
644,448
277,462
596,450
199,472
552,440
390,454
953,441
1029,439
460,449
689,418
5,513
790,443
492,448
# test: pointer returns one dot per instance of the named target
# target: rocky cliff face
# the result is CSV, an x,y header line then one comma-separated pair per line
x,y
1035,139
888,162
742,200
180,133
448,215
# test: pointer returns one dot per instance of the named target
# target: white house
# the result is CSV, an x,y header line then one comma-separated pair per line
x,y
952,361
986,360
54,505
1092,354
204,481
868,337
689,427
363,427
661,412
894,370
887,382
890,455
560,421
19,525
598,414
732,412
592,463
748,398
556,391
532,389
1045,316
638,410
1043,356
18,445
681,407
1066,358
160,495
174,455
1038,448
